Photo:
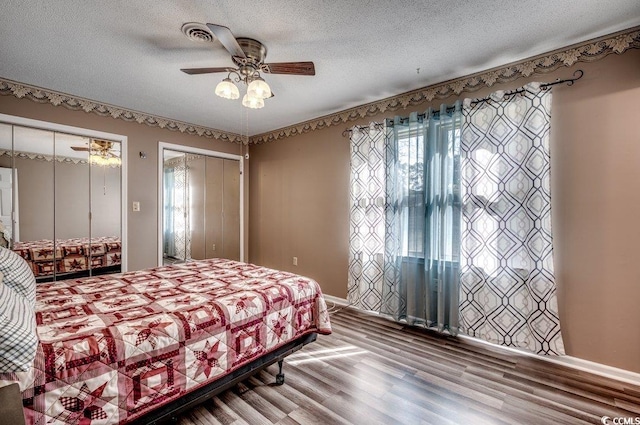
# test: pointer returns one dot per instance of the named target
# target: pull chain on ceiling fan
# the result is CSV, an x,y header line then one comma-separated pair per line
x,y
248,55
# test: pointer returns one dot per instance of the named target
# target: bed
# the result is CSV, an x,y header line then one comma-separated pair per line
x,y
70,256
140,346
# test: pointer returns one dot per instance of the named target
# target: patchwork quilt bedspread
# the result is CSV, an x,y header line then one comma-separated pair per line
x,y
70,255
113,347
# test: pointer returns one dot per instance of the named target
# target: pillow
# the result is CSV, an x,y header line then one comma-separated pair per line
x,y
18,337
18,275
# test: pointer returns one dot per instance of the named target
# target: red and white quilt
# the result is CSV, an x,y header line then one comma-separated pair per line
x,y
70,255
113,347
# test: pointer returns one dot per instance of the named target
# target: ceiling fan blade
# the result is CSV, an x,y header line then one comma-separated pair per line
x,y
295,68
79,148
227,39
195,71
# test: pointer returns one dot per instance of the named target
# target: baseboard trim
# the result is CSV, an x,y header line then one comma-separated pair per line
x,y
599,369
573,362
336,300
607,371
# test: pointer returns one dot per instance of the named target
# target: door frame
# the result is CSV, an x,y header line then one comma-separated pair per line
x,y
198,151
14,214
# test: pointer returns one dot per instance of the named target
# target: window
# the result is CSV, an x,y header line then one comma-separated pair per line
x,y
430,190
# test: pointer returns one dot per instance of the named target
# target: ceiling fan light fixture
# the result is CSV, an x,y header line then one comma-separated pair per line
x,y
249,56
227,90
259,88
114,162
103,160
252,102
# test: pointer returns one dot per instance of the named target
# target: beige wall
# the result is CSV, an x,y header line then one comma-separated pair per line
x,y
300,188
299,206
142,173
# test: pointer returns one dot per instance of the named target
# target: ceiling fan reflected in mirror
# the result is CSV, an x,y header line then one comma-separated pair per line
x,y
101,152
248,55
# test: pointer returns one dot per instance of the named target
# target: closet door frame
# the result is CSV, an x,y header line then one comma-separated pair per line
x,y
85,132
198,151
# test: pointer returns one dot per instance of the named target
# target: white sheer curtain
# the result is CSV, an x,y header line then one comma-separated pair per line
x,y
422,239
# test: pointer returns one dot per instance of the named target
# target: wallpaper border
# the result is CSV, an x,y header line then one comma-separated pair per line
x,y
588,51
41,157
41,95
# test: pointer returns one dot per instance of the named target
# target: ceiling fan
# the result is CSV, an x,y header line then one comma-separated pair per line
x,y
101,152
248,55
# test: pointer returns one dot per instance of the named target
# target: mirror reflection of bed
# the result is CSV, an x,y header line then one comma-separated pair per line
x,y
63,188
201,207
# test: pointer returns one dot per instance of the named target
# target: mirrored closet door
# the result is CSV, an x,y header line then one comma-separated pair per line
x,y
201,205
61,199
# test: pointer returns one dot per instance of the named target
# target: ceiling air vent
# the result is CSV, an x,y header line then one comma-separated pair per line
x,y
196,31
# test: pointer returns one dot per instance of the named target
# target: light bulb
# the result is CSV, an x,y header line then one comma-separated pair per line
x,y
227,90
259,88
252,102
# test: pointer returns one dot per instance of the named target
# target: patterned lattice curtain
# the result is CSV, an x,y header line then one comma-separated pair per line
x,y
366,218
508,291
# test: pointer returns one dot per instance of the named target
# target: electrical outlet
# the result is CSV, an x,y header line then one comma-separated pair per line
x,y
213,247
295,261
136,206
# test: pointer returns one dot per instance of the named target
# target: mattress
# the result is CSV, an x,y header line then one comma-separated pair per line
x,y
114,347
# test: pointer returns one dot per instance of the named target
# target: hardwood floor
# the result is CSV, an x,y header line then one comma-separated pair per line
x,y
375,371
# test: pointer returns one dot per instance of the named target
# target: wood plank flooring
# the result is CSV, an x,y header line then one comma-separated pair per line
x,y
374,371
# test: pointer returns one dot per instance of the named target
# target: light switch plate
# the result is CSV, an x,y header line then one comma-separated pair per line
x,y
136,206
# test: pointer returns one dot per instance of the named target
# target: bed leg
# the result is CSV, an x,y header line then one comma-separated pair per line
x,y
280,375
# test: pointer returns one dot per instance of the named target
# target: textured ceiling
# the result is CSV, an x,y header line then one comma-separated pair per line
x,y
129,53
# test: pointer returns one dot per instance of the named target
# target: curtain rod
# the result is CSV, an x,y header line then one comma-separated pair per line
x,y
570,81
543,86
